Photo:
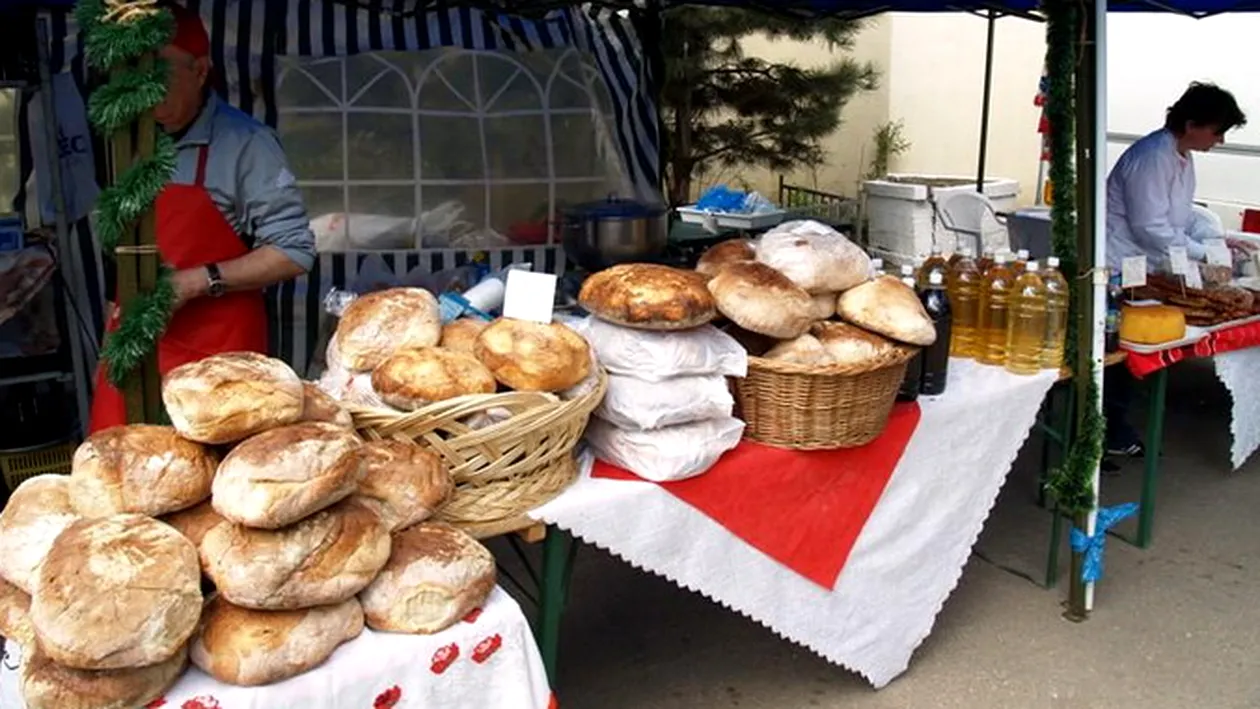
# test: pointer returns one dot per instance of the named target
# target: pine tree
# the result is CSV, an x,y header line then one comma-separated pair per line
x,y
723,108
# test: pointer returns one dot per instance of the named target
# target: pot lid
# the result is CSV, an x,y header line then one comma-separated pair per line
x,y
615,208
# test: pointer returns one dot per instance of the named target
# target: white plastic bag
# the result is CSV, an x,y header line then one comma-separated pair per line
x,y
666,454
634,404
814,256
657,356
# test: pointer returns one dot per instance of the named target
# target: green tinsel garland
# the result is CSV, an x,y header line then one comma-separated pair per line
x,y
118,36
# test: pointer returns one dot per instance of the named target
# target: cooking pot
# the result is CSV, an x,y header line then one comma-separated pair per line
x,y
600,234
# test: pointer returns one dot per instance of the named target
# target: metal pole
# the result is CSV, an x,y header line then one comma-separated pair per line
x,y
984,110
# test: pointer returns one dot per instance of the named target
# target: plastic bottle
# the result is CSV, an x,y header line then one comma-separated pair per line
x,y
1026,328
964,301
936,356
935,263
877,267
985,262
1021,262
914,369
1112,330
1056,315
995,293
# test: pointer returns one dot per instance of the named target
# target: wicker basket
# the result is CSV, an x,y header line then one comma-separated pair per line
x,y
505,469
798,406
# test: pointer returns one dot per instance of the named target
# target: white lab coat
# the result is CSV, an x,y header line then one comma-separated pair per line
x,y
1150,203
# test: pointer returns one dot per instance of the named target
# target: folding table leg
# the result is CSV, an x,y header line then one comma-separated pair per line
x,y
557,566
1154,444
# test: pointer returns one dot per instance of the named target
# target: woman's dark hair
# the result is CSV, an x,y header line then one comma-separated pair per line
x,y
1205,105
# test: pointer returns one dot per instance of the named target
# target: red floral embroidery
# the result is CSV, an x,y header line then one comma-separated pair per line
x,y
156,703
473,615
486,648
444,658
388,698
201,703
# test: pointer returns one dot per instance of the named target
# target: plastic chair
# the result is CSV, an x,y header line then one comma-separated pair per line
x,y
971,214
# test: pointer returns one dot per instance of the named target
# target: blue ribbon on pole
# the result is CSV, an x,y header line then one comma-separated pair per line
x,y
1092,546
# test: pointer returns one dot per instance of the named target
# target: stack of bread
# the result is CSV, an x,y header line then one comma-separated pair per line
x,y
302,530
667,412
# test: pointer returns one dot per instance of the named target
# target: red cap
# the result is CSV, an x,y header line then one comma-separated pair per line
x,y
190,33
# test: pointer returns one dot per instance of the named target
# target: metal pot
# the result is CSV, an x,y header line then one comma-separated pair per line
x,y
612,231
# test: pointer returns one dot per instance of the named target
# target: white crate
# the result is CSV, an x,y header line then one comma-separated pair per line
x,y
728,220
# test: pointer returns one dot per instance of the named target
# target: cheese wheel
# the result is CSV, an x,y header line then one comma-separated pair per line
x,y
1151,324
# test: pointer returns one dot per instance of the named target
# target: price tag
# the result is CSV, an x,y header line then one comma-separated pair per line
x,y
530,296
1178,260
1218,253
1133,272
1194,279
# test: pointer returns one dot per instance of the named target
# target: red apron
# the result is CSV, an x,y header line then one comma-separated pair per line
x,y
192,232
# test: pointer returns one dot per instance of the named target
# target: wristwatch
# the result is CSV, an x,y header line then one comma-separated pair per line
x,y
216,287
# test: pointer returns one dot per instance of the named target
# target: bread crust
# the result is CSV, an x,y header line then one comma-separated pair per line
x,y
374,325
649,297
410,379
149,470
762,300
530,356
230,397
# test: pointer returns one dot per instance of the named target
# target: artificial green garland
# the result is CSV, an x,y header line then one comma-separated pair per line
x,y
119,34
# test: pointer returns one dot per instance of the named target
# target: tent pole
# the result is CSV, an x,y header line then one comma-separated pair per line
x,y
984,104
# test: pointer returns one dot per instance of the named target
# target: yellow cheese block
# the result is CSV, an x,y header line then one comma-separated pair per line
x,y
1151,324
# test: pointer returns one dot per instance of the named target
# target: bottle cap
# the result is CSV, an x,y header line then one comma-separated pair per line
x,y
1001,257
1031,267
1052,262
877,263
935,278
1023,254
907,269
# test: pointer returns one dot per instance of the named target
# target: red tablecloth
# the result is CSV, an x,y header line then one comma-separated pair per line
x,y
1227,339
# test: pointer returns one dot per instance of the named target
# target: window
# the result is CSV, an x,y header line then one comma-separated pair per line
x,y
9,176
445,148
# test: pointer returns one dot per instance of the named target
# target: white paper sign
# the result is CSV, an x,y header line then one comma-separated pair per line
x,y
530,296
1218,253
1194,279
1178,260
1133,272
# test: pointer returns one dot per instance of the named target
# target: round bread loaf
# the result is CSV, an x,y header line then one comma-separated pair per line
x,y
15,615
530,356
48,685
436,574
373,326
762,300
849,345
195,521
323,559
117,592
280,476
648,297
805,349
409,379
814,257
230,397
318,406
403,483
889,307
148,470
38,510
718,255
461,335
824,305
249,648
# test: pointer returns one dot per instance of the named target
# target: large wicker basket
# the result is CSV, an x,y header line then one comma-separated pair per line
x,y
789,405
502,470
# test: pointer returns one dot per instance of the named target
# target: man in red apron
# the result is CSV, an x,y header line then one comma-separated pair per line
x,y
230,223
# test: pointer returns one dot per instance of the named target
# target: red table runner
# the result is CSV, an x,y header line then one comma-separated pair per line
x,y
1239,337
804,509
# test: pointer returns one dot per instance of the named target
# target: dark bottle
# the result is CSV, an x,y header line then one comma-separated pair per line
x,y
910,385
1112,341
936,355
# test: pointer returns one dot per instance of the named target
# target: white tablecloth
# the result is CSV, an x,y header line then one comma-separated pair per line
x,y
906,562
1239,371
491,662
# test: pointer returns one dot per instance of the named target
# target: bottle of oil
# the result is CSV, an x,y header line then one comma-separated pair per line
x,y
877,267
985,262
914,370
936,355
964,302
1021,262
1056,315
995,293
935,263
1026,328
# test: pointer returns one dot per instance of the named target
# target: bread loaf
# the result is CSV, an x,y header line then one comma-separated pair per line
x,y
403,483
195,521
278,477
805,349
718,255
148,470
48,685
760,299
15,615
530,356
849,345
824,305
461,335
230,397
889,307
323,559
249,648
38,510
409,379
814,256
436,574
648,297
115,593
374,325
318,406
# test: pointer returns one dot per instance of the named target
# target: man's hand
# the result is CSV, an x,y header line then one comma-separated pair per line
x,y
189,283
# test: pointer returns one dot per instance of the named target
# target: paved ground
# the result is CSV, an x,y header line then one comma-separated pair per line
x,y
1177,626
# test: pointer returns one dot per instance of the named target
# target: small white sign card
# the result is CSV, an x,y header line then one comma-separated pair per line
x,y
1218,253
530,296
1133,272
1194,279
1178,261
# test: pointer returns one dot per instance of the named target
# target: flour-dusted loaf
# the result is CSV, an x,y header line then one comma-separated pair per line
x,y
323,559
38,510
15,615
824,305
648,296
195,521
250,648
436,574
280,476
319,406
814,256
718,255
148,470
805,349
403,483
889,307
48,685
117,592
530,356
409,379
229,397
373,326
849,345
762,300
461,335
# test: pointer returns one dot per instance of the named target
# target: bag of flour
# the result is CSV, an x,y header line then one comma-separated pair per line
x,y
666,454
657,356
634,404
